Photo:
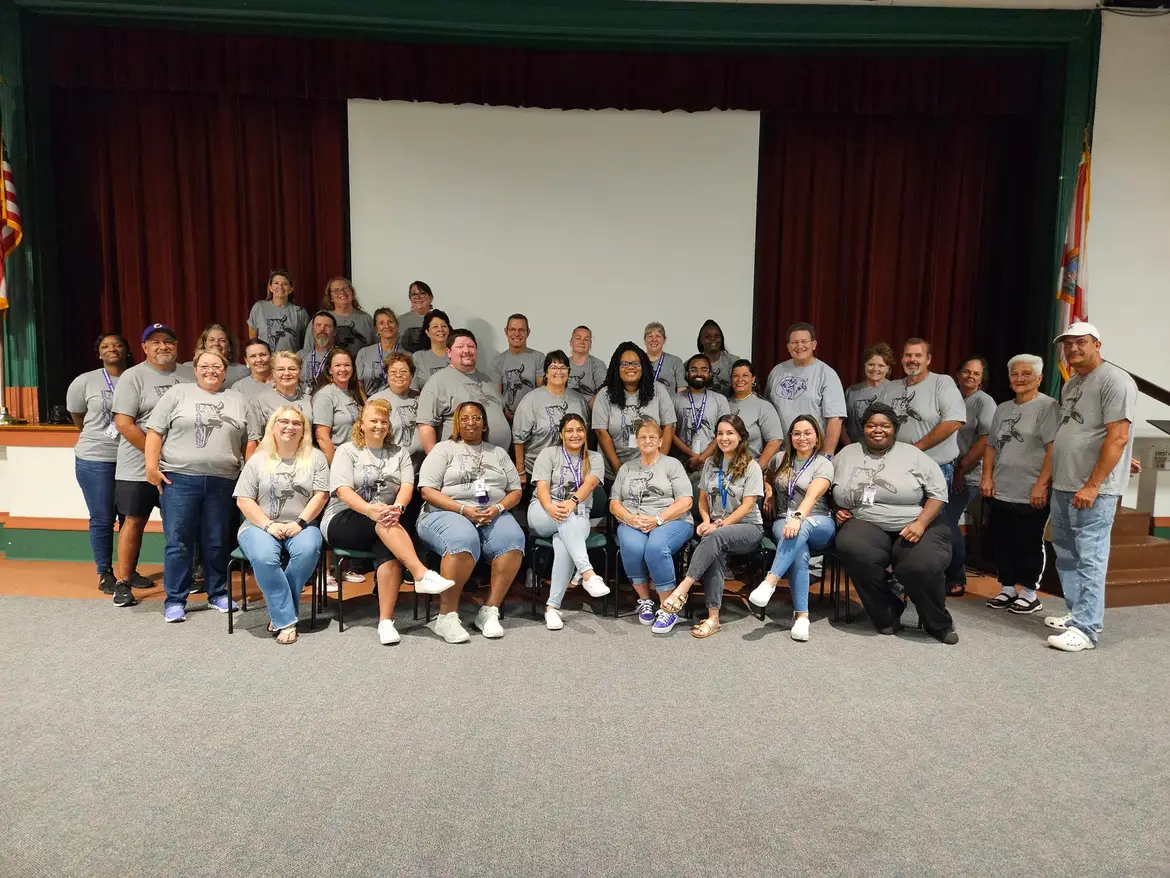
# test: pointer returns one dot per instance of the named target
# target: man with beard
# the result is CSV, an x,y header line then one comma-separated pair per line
x,y
457,383
137,393
321,340
805,385
698,410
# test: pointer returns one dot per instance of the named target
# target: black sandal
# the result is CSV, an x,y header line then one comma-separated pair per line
x,y
1000,601
956,591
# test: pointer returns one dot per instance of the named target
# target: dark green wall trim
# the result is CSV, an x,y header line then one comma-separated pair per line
x,y
68,545
600,23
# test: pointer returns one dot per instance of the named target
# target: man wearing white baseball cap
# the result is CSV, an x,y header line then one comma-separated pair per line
x,y
1090,466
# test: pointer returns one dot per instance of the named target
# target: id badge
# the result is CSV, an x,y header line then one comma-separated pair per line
x,y
112,431
790,514
632,441
869,496
481,490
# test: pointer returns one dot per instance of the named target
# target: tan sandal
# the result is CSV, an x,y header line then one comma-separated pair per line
x,y
287,635
706,628
675,603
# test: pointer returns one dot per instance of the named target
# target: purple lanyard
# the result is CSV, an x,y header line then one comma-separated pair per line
x,y
796,478
698,418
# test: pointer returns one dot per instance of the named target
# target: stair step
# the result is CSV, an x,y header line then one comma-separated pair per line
x,y
1131,553
1137,587
1130,523
1137,576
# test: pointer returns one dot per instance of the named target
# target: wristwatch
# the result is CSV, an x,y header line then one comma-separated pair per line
x,y
658,520
798,514
301,523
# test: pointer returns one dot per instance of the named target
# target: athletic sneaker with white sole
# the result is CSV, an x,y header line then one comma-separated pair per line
x,y
354,576
595,587
433,583
1072,640
487,620
800,629
553,620
761,594
387,633
331,584
447,626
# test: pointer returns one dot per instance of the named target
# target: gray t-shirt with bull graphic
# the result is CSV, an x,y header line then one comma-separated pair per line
x,y
923,406
203,433
538,421
283,327
900,480
138,392
281,488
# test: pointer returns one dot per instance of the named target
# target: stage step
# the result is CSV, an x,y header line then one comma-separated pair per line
x,y
1130,553
1131,523
1137,587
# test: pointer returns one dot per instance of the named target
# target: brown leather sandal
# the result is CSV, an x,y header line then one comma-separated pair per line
x,y
706,628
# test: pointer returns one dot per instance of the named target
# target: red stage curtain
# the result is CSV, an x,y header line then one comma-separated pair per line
x,y
880,229
173,207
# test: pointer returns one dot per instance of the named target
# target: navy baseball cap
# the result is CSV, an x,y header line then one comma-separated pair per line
x,y
158,327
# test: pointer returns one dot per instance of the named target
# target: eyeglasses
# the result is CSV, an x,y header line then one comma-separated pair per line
x,y
471,419
211,370
630,364
418,295
288,422
558,370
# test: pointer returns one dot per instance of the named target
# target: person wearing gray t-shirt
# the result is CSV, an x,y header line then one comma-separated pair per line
x,y
460,382
426,364
711,343
1017,477
805,385
889,495
619,406
765,435
1091,457
90,400
335,409
929,406
275,319
411,321
668,369
537,423
697,410
518,370
403,408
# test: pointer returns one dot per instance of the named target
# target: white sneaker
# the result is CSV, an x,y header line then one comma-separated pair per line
x,y
552,620
387,633
447,626
354,576
575,581
1072,640
800,628
761,594
487,620
331,584
1060,623
595,586
433,583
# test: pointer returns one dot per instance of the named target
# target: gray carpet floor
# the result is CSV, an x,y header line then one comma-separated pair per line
x,y
134,748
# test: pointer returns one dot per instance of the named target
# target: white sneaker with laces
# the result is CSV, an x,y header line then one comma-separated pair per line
x,y
553,620
387,633
447,626
800,628
487,620
1072,640
433,583
1060,623
331,584
595,586
761,594
354,576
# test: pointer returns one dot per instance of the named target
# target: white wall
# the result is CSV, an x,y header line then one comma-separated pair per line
x,y
1129,284
607,218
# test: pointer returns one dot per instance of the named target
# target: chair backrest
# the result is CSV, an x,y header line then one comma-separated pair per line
x,y
598,506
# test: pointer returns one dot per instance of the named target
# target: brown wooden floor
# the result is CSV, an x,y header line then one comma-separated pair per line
x,y
70,579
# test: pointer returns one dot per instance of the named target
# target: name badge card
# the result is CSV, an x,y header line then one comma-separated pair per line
x,y
869,496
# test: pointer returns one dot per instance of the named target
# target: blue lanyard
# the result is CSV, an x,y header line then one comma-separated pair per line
x,y
697,417
382,359
314,367
796,478
106,378
574,470
658,368
722,490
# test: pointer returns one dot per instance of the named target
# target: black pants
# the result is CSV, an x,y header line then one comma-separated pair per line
x,y
1017,538
866,551
352,530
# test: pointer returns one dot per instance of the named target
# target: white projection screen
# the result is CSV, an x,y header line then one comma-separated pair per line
x,y
608,218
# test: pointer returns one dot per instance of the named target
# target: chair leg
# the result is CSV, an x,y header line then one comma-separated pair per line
x,y
340,596
314,584
231,590
243,586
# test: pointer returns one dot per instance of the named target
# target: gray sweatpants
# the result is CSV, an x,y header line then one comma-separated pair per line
x,y
709,560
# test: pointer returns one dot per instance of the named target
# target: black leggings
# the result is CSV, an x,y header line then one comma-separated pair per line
x,y
1017,539
352,530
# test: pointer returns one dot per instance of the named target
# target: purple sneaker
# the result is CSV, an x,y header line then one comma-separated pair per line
x,y
221,604
174,613
646,611
664,622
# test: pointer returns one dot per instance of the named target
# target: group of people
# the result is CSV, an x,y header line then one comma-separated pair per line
x,y
380,433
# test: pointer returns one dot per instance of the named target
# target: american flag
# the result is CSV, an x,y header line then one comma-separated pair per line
x,y
1074,276
10,230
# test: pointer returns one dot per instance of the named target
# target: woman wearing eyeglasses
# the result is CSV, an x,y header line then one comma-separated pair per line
x,y
410,321
355,328
194,449
370,365
537,424
286,389
630,394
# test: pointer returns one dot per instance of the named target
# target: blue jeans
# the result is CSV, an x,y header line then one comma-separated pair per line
x,y
1080,540
449,533
196,510
96,478
569,552
951,513
792,555
282,586
651,556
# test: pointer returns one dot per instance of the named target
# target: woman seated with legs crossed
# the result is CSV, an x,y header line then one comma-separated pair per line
x,y
372,480
651,500
732,483
888,496
282,488
797,493
565,476
469,487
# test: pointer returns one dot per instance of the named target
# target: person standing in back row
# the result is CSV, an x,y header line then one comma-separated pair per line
x,y
519,370
805,385
275,319
710,342
929,407
668,369
354,327
1090,467
586,372
411,331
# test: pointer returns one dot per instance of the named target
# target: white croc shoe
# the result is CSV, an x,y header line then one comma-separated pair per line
x,y
1072,640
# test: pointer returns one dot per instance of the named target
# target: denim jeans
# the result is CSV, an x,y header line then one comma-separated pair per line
x,y
1080,540
792,555
569,553
709,559
951,513
449,533
282,586
196,510
96,478
651,556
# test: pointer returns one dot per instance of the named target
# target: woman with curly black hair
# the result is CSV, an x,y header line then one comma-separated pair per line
x,y
630,394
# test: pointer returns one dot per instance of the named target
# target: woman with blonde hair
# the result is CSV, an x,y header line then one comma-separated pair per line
x,y
281,491
275,319
371,482
731,483
355,328
798,496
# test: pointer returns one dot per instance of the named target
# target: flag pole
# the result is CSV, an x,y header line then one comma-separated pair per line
x,y
6,420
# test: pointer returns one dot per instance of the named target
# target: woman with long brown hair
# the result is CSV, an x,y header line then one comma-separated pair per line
x,y
355,328
275,319
337,401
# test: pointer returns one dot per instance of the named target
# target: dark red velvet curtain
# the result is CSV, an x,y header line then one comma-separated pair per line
x,y
879,228
174,206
